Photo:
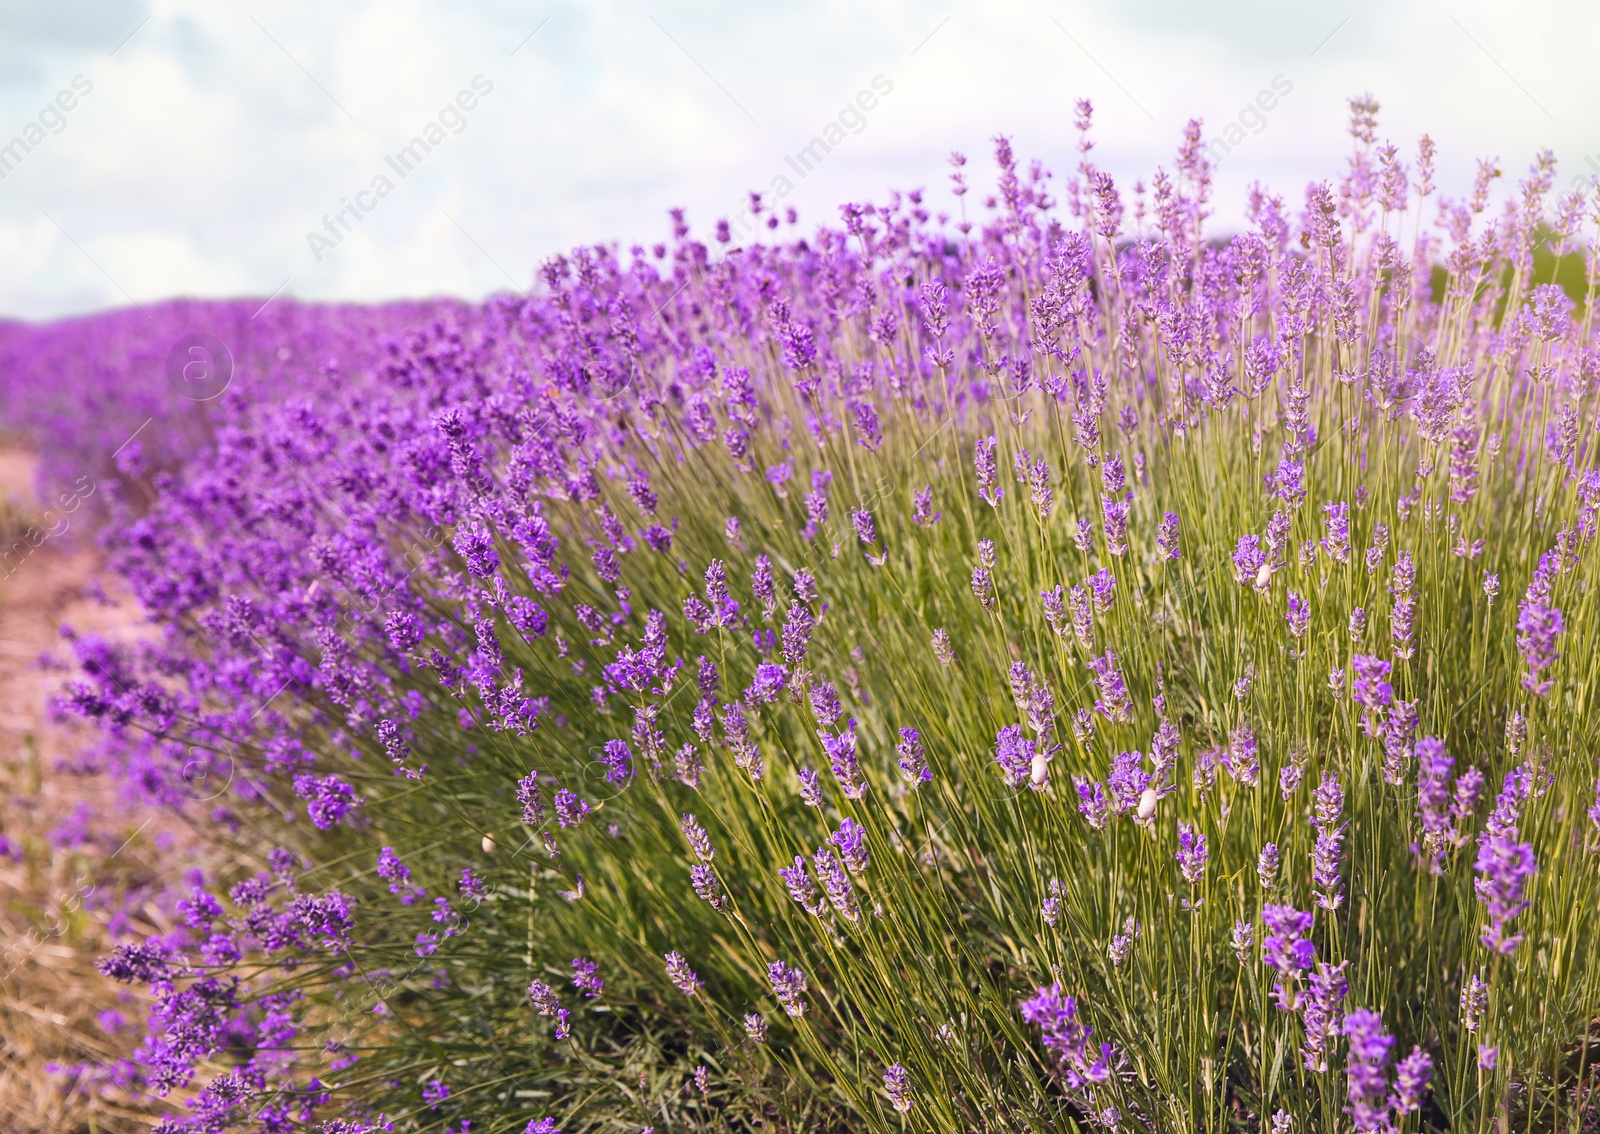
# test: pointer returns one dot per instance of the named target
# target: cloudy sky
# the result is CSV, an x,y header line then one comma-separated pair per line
x,y
206,140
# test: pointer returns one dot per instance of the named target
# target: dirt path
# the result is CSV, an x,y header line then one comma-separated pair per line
x,y
77,863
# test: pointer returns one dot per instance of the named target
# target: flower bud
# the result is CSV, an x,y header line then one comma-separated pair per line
x,y
1147,805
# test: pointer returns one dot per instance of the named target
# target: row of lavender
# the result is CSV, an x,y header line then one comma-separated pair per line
x,y
971,675
114,400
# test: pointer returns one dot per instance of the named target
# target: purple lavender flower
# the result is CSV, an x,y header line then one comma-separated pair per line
x,y
434,1092
1397,733
723,607
810,788
1192,854
571,810
1474,1002
769,682
788,985
1370,1046
586,977
544,998
1538,628
472,887
1039,489
923,513
1014,753
755,1027
1403,579
805,586
1066,1037
1050,907
816,504
983,460
983,587
825,703
763,586
1167,536
1325,992
1516,734
1251,567
1288,483
835,883
798,626
736,734
912,760
1101,585
618,761
1165,747
1287,949
1299,616
1127,781
328,799
1505,867
1358,624
1289,777
1243,940
1122,943
1327,808
801,887
1243,756
1267,866
531,797
1080,604
143,963
699,841
1469,790
1371,689
1411,1081
1434,767
1114,514
1092,803
1055,611
844,762
1337,542
1114,701
705,883
475,545
897,1085
862,519
680,974
851,839
1400,626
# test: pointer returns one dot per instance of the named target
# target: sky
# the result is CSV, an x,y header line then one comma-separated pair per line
x,y
203,147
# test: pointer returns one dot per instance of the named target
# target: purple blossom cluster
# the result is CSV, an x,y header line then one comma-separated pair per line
x,y
485,601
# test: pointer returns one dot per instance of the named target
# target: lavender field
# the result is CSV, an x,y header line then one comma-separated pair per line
x,y
1028,655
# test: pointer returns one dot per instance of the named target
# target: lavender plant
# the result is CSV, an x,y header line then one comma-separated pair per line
x,y
1041,674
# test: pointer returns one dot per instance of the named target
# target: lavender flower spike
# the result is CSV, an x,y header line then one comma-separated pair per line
x,y
788,985
1370,1046
897,1085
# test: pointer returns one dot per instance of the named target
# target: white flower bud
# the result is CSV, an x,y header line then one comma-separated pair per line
x,y
1147,804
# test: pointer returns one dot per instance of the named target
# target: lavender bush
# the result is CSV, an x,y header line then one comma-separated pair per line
x,y
1054,672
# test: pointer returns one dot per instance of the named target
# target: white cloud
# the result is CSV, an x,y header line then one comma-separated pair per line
x,y
221,134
